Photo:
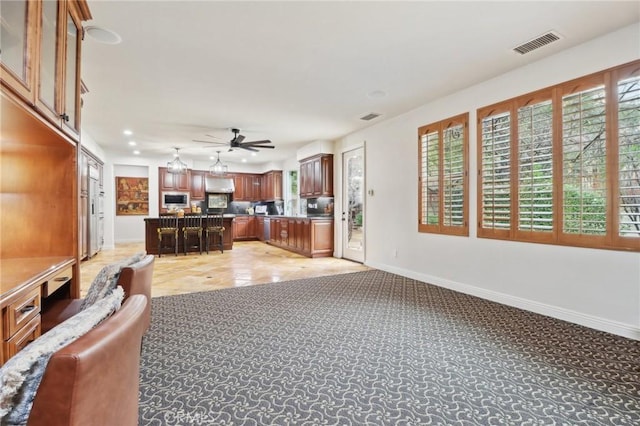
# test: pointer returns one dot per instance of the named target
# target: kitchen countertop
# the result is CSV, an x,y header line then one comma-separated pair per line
x,y
281,216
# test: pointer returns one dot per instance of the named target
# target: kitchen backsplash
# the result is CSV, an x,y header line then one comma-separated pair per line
x,y
321,206
315,207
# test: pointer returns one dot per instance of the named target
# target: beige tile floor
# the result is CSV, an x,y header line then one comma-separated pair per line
x,y
249,263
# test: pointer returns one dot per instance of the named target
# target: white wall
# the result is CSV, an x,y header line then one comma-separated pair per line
x,y
125,229
596,288
92,146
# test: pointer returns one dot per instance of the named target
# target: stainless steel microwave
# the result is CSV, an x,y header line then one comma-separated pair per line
x,y
175,200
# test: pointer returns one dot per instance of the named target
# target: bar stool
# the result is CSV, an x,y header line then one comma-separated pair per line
x,y
192,227
168,227
214,225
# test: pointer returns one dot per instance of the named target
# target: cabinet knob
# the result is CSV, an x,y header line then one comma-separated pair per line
x,y
65,117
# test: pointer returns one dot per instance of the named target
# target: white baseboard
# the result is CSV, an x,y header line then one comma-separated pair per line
x,y
602,324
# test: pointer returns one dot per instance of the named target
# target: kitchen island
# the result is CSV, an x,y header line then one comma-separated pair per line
x,y
151,236
308,236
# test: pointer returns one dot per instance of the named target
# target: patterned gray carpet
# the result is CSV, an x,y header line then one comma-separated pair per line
x,y
373,348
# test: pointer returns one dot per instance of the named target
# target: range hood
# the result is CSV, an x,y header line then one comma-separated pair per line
x,y
218,185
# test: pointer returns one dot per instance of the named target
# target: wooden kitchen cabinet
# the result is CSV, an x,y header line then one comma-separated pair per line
x,y
240,187
252,228
197,185
244,228
252,188
271,188
283,237
274,230
18,43
33,144
174,182
311,237
316,176
306,179
247,186
41,55
260,227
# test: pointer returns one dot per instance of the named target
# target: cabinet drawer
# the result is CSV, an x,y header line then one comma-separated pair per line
x,y
20,312
57,281
22,338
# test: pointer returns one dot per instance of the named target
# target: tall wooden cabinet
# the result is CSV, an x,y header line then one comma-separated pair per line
x,y
41,54
39,161
316,176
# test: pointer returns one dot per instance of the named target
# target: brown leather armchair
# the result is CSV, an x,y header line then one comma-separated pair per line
x,y
95,379
134,279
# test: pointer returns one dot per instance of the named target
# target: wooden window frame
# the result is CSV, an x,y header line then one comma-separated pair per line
x,y
611,240
440,126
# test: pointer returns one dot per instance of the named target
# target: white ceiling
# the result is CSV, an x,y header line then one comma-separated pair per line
x,y
295,72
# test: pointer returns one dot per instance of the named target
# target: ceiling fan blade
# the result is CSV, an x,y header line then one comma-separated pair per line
x,y
209,142
248,148
238,139
257,142
215,137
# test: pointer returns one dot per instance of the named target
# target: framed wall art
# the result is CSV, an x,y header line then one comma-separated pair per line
x,y
132,196
217,201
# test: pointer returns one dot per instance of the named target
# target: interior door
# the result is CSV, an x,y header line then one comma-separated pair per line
x,y
353,223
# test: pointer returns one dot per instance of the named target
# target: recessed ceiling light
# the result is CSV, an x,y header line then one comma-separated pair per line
x,y
244,160
127,132
254,154
136,152
132,143
103,35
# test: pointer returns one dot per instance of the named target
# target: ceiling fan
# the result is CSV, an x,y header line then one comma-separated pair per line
x,y
236,142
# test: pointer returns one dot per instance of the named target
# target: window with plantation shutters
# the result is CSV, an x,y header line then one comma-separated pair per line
x,y
430,171
444,176
562,165
628,122
535,167
584,162
495,173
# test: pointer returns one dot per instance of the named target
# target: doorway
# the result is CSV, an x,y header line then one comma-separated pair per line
x,y
353,223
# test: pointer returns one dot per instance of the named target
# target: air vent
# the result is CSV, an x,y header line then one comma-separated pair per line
x,y
370,116
537,42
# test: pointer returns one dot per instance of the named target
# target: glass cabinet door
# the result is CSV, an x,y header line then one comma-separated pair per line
x,y
48,56
70,116
17,46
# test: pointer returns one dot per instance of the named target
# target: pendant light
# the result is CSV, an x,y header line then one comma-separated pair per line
x,y
176,166
217,168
